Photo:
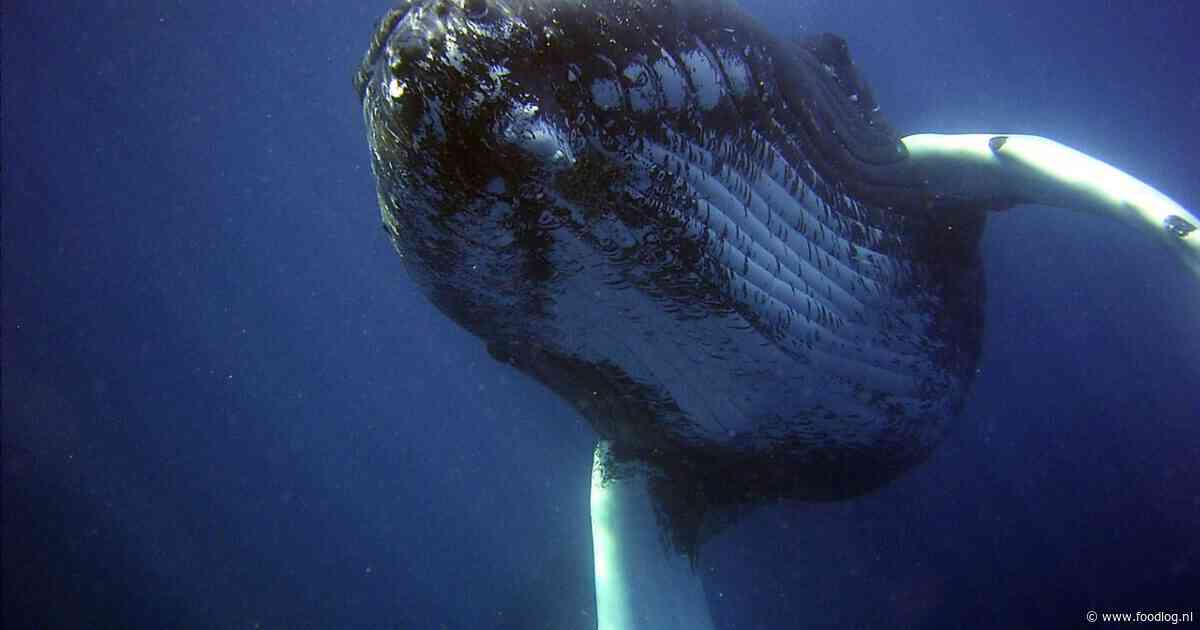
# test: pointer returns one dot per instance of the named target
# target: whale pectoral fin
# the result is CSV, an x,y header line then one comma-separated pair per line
x,y
1016,168
641,581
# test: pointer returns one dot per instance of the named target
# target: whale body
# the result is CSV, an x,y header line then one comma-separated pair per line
x,y
704,238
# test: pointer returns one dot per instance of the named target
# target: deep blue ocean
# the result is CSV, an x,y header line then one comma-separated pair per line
x,y
225,405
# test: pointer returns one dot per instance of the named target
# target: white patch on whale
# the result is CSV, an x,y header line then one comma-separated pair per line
x,y
643,96
537,137
706,80
671,82
736,71
606,94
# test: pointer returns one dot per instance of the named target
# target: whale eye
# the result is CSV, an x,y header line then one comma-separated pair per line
x,y
475,9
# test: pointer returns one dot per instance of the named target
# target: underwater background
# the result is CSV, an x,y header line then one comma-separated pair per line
x,y
226,406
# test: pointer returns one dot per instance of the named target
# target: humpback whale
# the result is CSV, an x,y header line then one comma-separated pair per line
x,y
709,242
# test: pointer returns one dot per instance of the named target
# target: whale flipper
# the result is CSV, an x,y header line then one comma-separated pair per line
x,y
1031,169
642,581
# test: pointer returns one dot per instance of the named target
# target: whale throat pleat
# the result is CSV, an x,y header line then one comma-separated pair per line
x,y
776,237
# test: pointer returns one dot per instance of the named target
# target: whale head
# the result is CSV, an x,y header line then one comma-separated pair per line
x,y
672,220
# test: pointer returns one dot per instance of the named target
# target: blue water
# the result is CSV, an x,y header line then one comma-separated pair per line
x,y
225,405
